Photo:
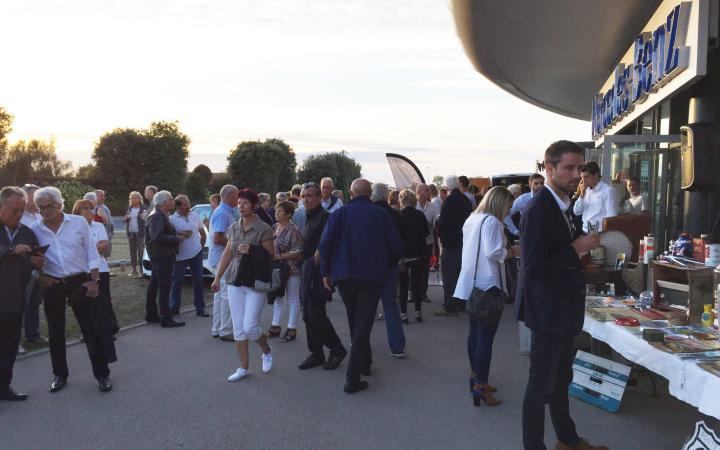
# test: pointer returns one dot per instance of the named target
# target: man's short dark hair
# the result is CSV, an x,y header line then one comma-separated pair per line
x,y
557,149
464,181
591,167
635,179
314,187
535,176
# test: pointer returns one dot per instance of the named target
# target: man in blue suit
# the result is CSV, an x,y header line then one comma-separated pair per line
x,y
552,297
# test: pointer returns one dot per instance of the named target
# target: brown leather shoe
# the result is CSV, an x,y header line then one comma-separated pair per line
x,y
582,445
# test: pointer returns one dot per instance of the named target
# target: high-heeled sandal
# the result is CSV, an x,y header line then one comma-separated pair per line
x,y
273,331
472,385
290,335
481,393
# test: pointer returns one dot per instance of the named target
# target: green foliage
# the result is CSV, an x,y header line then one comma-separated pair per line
x,y
438,181
336,165
196,188
204,172
218,181
127,160
267,166
72,191
6,121
33,161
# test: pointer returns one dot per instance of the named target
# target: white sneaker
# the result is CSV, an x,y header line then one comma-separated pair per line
x,y
238,375
21,350
267,362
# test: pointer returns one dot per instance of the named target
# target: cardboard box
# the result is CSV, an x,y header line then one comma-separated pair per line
x,y
599,381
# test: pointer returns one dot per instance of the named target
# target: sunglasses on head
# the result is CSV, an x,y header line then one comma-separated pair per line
x,y
308,184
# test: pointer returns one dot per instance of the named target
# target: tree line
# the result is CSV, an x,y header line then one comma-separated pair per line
x,y
128,159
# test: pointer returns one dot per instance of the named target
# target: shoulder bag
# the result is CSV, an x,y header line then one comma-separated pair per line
x,y
485,306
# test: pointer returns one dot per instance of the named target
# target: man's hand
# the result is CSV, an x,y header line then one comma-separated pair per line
x,y
21,249
327,283
46,281
92,288
38,261
585,243
582,188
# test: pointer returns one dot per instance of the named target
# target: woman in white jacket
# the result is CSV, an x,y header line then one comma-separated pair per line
x,y
482,268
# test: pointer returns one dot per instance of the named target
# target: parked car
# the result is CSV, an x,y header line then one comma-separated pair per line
x,y
204,210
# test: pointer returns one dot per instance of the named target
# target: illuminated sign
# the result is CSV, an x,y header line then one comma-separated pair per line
x,y
658,57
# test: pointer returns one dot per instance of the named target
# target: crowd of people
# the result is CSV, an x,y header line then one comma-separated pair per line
x,y
376,247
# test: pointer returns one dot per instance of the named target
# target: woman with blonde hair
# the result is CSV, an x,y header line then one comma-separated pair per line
x,y
135,229
483,254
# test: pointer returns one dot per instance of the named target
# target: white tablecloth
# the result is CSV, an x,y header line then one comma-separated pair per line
x,y
687,381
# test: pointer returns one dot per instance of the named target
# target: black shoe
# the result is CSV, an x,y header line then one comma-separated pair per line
x,y
57,384
12,396
334,361
152,319
104,384
312,361
202,314
171,324
175,310
351,388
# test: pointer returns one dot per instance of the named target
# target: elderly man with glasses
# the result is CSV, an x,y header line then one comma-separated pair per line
x,y
71,264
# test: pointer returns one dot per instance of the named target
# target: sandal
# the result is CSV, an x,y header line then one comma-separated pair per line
x,y
290,335
273,331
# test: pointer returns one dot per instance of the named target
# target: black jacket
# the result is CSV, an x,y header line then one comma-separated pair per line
x,y
454,211
140,220
396,217
161,238
551,287
256,265
314,227
416,230
14,270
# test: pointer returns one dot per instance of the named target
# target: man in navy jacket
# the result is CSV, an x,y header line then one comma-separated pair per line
x,y
358,247
552,302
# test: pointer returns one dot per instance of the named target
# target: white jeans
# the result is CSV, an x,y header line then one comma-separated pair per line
x,y
291,299
221,320
246,305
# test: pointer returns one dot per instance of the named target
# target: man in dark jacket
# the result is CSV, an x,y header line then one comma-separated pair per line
x,y
313,295
162,243
454,211
388,295
16,263
552,301
359,245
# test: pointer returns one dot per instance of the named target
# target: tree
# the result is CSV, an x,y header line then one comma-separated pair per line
x,y
336,165
438,181
72,191
6,120
127,160
32,161
196,188
204,172
267,166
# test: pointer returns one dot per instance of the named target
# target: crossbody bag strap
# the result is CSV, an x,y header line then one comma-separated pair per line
x,y
477,258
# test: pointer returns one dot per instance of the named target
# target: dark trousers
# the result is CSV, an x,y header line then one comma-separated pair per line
x,y
426,267
162,268
55,298
196,270
104,287
361,299
313,298
412,279
479,347
450,262
551,359
10,330
32,310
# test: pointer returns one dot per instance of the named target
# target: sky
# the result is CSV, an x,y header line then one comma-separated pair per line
x,y
365,76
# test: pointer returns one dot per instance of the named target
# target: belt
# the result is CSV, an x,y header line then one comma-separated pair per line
x,y
72,279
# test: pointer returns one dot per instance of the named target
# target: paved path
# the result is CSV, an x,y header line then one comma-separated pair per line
x,y
170,392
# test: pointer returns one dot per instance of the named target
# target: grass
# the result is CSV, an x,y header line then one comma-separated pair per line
x,y
128,297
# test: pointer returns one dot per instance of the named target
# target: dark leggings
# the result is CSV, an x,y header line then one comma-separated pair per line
x,y
479,346
412,279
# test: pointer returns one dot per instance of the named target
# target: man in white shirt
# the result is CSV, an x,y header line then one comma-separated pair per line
x,y
428,209
71,262
597,199
190,254
536,182
328,201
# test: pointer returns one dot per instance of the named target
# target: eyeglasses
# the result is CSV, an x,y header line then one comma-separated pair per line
x,y
308,184
47,206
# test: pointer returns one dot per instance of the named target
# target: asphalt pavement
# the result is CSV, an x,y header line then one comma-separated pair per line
x,y
170,391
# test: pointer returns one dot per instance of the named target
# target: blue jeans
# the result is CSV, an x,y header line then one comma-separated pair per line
x,y
196,270
388,297
479,347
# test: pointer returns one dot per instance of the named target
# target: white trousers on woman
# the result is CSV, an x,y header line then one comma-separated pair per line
x,y
246,306
291,299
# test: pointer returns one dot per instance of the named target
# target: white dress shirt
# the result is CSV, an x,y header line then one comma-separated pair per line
x,y
599,202
72,250
190,247
326,203
487,271
430,215
99,233
29,218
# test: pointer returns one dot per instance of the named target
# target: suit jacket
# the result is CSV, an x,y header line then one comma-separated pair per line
x,y
551,287
14,270
161,239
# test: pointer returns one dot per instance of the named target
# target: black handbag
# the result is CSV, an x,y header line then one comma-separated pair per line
x,y
485,306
